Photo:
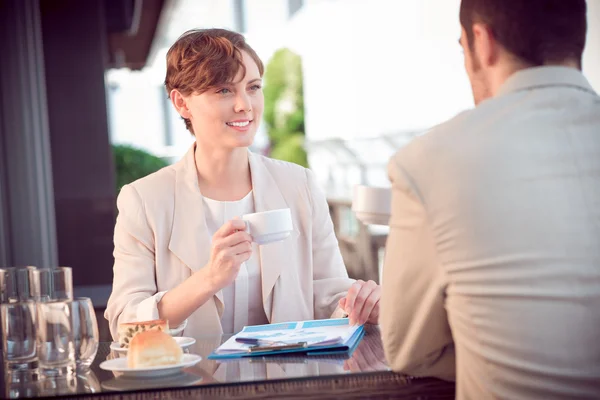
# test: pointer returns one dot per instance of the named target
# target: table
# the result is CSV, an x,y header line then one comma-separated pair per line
x,y
364,375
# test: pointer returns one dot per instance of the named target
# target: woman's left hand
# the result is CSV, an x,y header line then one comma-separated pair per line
x,y
362,302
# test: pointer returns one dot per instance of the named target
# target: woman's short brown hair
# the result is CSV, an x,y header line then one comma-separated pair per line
x,y
204,58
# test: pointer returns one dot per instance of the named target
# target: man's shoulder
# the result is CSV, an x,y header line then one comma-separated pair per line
x,y
430,143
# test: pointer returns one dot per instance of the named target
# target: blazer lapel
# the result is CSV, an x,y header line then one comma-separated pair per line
x,y
190,240
267,196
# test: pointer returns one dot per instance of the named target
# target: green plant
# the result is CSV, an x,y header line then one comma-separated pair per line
x,y
284,107
291,149
132,164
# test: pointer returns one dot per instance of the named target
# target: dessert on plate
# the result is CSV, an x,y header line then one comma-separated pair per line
x,y
128,330
153,348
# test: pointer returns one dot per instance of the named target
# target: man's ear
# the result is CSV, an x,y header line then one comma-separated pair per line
x,y
484,45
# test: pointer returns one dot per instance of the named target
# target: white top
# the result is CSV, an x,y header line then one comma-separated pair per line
x,y
243,298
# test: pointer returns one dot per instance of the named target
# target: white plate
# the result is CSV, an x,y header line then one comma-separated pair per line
x,y
119,365
183,342
180,380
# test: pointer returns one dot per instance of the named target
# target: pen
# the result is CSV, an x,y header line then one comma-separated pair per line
x,y
256,341
299,345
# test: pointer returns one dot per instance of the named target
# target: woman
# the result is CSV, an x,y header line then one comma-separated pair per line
x,y
182,254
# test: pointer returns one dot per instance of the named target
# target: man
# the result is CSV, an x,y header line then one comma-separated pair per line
x,y
492,270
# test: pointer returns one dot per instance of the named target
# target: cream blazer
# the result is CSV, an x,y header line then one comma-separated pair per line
x,y
492,267
161,239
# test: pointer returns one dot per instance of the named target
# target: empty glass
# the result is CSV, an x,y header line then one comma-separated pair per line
x,y
19,335
85,332
52,284
55,344
15,284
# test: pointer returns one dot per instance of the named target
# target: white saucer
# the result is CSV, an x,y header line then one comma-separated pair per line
x,y
119,365
177,330
372,218
183,342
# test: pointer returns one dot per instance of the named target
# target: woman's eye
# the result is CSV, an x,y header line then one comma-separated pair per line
x,y
224,91
255,87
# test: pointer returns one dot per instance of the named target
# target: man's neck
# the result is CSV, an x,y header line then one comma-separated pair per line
x,y
505,70
502,72
223,174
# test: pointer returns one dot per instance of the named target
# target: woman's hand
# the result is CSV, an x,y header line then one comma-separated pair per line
x,y
362,302
231,246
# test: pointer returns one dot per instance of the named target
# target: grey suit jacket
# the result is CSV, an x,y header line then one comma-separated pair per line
x,y
492,270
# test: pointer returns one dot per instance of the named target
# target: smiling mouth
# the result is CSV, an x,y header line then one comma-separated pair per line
x,y
239,124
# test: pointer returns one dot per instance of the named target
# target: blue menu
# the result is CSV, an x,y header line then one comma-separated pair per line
x,y
317,337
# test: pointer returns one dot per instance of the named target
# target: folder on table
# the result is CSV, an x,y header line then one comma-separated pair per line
x,y
312,338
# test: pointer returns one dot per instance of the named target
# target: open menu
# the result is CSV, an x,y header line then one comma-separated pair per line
x,y
318,337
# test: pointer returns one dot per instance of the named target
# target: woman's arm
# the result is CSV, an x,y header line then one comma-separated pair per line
x,y
133,270
231,246
180,302
134,285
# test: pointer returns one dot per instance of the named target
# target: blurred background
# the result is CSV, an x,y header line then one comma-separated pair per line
x,y
83,109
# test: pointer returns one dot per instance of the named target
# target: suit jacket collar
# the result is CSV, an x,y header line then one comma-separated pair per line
x,y
190,240
539,77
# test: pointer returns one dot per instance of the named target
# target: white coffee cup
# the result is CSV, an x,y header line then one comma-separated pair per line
x,y
269,226
372,205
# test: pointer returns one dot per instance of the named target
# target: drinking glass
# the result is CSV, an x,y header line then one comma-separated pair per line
x,y
52,284
85,332
15,284
55,344
19,335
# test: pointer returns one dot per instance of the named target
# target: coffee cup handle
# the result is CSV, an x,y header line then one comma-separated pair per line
x,y
247,230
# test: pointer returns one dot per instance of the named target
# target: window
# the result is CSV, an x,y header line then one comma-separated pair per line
x,y
239,13
294,6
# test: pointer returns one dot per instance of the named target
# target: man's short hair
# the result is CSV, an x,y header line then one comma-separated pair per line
x,y
537,32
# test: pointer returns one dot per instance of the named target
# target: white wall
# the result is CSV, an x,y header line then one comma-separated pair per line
x,y
591,55
373,67
379,66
